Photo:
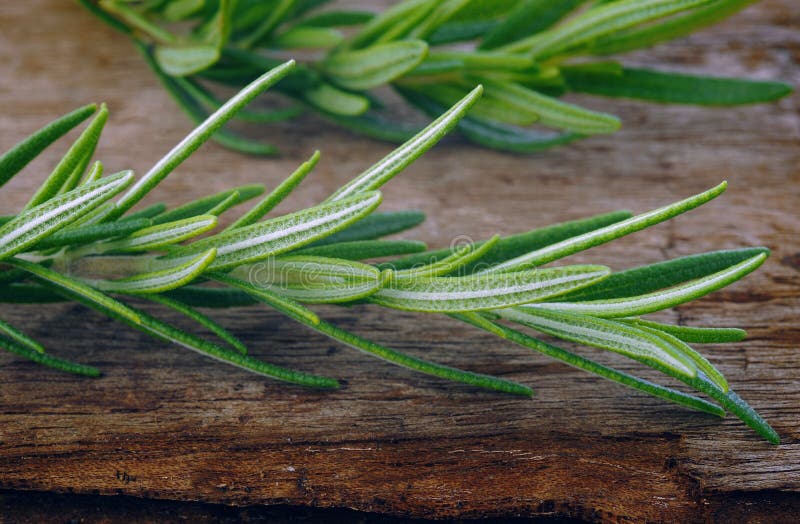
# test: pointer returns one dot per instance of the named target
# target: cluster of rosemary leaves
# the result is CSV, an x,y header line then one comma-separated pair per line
x,y
526,54
74,241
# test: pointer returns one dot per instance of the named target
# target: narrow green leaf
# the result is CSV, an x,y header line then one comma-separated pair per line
x,y
552,112
277,195
160,236
278,235
600,21
147,212
693,334
529,17
513,246
203,205
446,10
651,302
403,156
91,233
225,205
374,66
482,292
287,306
374,226
49,360
36,223
331,99
605,334
303,37
364,249
391,23
337,18
676,88
591,366
458,259
19,337
652,277
606,234
93,175
161,280
197,137
16,158
201,319
85,142
196,296
186,59
78,291
700,361
306,316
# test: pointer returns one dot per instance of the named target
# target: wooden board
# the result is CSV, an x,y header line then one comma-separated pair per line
x,y
164,423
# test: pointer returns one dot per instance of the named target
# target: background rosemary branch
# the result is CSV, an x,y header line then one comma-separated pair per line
x,y
528,54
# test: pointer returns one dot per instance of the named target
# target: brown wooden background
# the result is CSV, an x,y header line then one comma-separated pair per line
x,y
165,423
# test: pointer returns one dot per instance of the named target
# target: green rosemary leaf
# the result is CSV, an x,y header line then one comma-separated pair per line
x,y
85,142
185,59
196,296
376,65
338,18
651,302
287,306
36,223
487,108
600,21
328,292
482,292
675,87
552,112
494,134
702,363
203,205
457,260
733,403
528,17
164,331
16,158
606,234
304,269
179,10
277,195
93,175
652,277
78,171
161,235
225,205
513,246
303,37
162,280
605,334
201,94
92,233
19,337
423,366
384,27
374,226
331,99
440,15
591,366
403,156
278,235
364,249
147,212
136,21
693,334
49,360
375,127
671,28
201,319
197,137
276,15
77,290
296,311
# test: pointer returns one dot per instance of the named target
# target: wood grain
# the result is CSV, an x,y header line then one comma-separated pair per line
x,y
167,424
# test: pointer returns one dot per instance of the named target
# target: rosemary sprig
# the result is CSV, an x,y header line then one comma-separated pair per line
x,y
527,54
73,241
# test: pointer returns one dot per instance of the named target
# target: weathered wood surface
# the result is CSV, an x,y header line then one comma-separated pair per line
x,y
169,424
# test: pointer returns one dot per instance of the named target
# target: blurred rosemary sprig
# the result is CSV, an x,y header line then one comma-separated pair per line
x,y
526,53
75,241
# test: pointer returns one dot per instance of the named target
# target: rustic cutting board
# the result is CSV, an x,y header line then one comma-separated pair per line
x,y
164,423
